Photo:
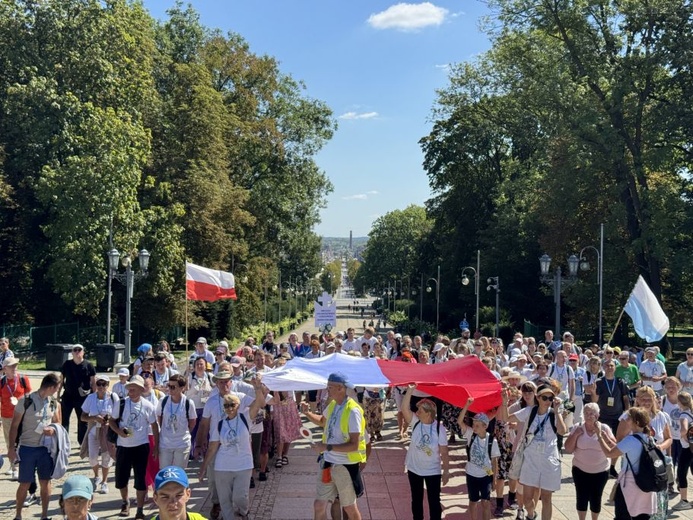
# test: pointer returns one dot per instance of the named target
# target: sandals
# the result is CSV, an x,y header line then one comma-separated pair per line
x,y
125,509
285,461
278,464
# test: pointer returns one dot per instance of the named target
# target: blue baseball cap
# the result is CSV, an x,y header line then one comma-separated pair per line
x,y
338,377
78,486
171,474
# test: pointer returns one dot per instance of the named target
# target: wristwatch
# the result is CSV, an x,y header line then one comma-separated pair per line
x,y
329,447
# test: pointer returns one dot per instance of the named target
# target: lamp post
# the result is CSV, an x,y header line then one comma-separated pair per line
x,y
428,289
557,281
494,284
128,278
465,281
585,265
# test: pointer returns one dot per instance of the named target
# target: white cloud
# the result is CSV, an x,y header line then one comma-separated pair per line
x,y
444,66
360,196
356,115
408,17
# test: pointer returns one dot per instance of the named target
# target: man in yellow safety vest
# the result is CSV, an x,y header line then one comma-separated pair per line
x,y
342,449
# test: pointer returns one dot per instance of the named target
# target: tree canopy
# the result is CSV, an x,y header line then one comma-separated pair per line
x,y
177,137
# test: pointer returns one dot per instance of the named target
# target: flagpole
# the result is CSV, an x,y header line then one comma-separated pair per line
x,y
615,326
186,311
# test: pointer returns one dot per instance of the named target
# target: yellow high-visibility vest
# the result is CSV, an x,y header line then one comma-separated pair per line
x,y
353,456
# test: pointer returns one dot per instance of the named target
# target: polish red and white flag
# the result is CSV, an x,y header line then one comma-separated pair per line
x,y
208,285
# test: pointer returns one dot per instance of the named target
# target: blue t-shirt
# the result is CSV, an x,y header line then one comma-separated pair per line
x,y
631,447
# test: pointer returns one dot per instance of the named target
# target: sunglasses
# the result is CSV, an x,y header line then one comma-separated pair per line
x,y
173,387
546,397
689,353
77,350
102,383
230,405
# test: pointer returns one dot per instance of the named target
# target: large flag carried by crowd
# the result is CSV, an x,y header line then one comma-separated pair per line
x,y
453,381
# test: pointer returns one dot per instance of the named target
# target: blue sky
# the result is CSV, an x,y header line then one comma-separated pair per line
x,y
377,64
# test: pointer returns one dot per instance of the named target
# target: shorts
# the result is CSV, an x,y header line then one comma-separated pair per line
x,y
34,459
134,459
541,471
341,486
479,488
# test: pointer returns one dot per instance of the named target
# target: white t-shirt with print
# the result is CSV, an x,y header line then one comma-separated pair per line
x,y
479,460
423,455
138,418
174,433
674,413
540,430
95,406
235,451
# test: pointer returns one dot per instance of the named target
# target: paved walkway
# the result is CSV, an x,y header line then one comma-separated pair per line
x,y
288,492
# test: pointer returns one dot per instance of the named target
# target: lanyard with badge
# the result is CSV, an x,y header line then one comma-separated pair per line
x,y
610,400
334,417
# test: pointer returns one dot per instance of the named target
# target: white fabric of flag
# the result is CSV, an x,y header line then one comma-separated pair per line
x,y
649,319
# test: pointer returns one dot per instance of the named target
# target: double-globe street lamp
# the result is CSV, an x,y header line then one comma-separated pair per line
x,y
465,281
494,285
429,289
558,281
128,278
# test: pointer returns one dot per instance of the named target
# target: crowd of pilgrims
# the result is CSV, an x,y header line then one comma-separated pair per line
x,y
557,397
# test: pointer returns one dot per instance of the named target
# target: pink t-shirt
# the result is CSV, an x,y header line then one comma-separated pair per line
x,y
588,455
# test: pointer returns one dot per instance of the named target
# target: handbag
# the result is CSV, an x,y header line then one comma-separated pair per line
x,y
518,456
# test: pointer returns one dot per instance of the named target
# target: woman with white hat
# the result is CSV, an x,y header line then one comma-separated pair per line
x,y
96,410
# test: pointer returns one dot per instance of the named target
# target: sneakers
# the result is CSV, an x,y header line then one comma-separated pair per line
x,y
140,514
262,477
30,499
96,482
252,482
683,505
103,489
498,512
512,504
520,514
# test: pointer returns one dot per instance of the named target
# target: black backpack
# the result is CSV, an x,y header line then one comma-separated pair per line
x,y
183,400
221,422
489,444
652,474
111,435
28,401
22,382
131,366
533,414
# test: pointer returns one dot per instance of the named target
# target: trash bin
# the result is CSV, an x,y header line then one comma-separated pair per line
x,y
108,355
57,354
